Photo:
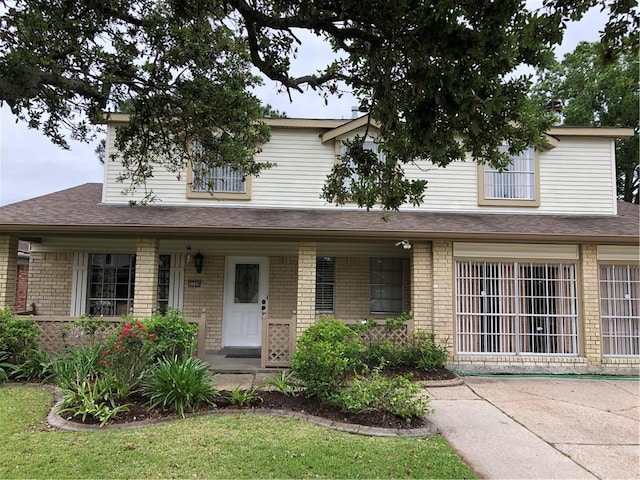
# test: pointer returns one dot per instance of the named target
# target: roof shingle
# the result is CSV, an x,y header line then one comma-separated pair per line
x,y
78,210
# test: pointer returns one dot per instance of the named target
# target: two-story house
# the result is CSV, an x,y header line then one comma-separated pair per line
x,y
534,269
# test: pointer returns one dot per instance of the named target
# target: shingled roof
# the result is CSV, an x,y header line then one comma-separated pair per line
x,y
78,211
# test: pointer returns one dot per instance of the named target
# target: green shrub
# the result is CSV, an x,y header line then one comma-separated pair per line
x,y
128,354
423,352
244,398
173,336
397,395
89,387
179,384
94,399
284,383
87,330
35,366
327,353
385,354
17,335
6,369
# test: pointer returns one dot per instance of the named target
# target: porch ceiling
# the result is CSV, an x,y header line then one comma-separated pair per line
x,y
78,210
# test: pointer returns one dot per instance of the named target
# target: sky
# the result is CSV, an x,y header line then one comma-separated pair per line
x,y
31,166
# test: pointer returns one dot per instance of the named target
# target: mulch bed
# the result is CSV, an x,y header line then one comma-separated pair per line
x,y
275,400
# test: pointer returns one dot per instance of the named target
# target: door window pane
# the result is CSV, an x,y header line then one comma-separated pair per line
x,y
247,283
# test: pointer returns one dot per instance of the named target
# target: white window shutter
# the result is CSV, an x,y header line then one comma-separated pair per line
x,y
176,281
79,284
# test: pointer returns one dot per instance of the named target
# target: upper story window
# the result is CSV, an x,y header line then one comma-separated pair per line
x,y
519,184
223,182
367,145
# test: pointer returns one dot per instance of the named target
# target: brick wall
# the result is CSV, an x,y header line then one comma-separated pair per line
x,y
590,313
306,283
22,285
208,296
283,282
443,319
351,290
421,291
50,276
145,299
8,269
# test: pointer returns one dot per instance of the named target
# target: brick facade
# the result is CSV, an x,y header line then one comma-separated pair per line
x,y
590,313
443,312
145,300
50,282
209,296
306,288
351,288
22,287
421,285
8,269
283,272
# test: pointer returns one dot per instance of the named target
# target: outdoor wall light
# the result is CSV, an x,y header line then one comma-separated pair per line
x,y
198,260
404,244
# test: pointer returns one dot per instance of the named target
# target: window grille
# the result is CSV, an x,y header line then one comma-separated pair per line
x,y
516,308
111,283
325,282
367,145
516,182
223,179
164,274
620,309
386,285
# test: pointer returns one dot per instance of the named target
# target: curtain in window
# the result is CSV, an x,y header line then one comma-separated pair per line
x,y
620,309
514,308
516,182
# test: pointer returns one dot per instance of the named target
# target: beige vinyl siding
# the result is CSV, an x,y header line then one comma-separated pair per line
x,y
302,166
576,177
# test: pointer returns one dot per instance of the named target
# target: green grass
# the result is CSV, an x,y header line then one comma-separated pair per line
x,y
217,446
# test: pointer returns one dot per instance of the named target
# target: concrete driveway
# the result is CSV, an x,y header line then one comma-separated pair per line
x,y
506,427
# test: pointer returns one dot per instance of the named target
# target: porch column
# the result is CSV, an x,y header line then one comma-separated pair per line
x,y
145,299
443,313
591,305
421,286
306,298
8,269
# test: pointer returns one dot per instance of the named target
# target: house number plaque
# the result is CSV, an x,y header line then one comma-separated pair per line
x,y
194,283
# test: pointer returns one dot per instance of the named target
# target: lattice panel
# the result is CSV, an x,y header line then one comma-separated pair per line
x,y
55,336
380,333
279,344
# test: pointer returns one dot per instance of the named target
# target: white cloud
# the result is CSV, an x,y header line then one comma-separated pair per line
x,y
30,165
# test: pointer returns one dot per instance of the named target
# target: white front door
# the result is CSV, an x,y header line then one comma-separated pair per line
x,y
245,300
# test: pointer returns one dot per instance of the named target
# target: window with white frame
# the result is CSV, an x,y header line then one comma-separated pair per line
x,y
325,283
386,285
516,308
367,145
164,276
112,283
620,309
516,182
224,179
218,180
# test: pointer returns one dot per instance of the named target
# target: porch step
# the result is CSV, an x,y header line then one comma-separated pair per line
x,y
240,352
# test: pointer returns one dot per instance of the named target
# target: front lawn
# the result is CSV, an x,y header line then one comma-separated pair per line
x,y
217,446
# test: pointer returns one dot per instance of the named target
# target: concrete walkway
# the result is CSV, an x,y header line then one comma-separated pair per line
x,y
543,427
548,427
